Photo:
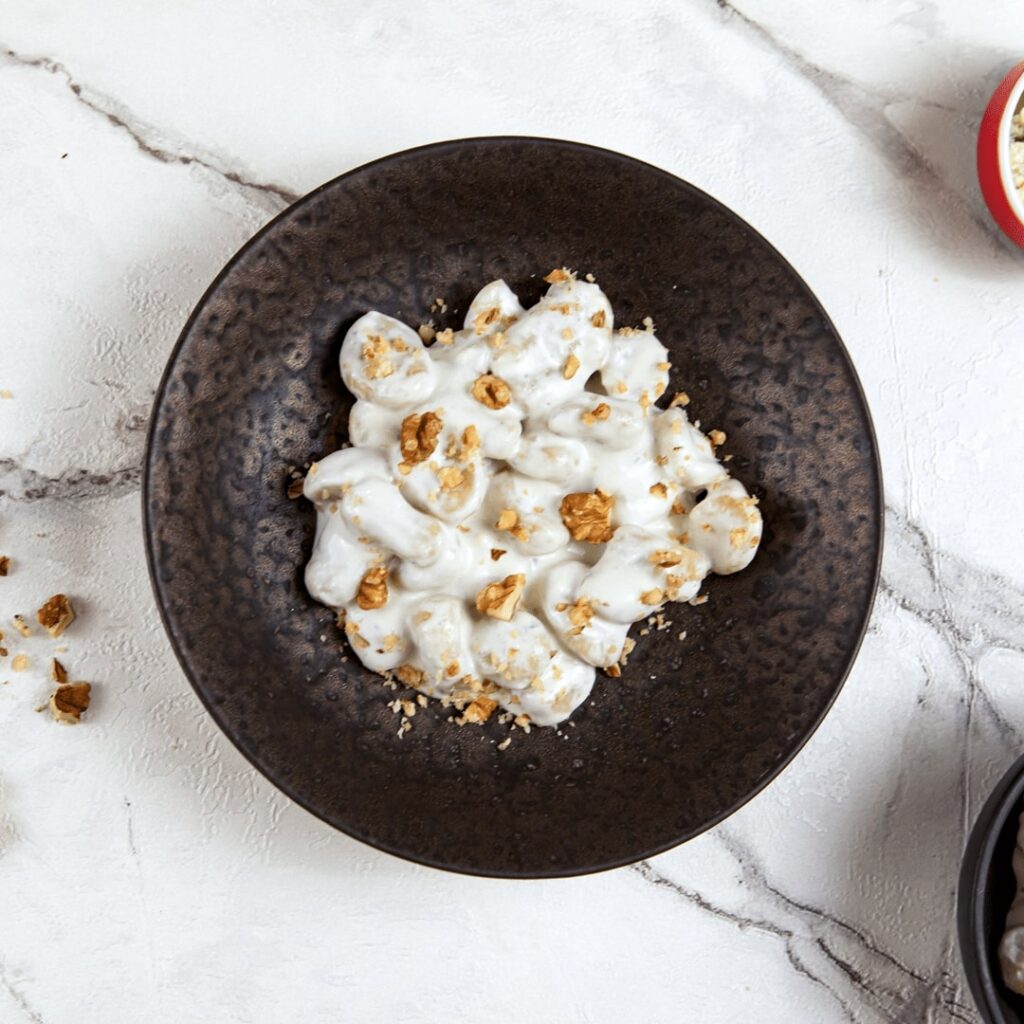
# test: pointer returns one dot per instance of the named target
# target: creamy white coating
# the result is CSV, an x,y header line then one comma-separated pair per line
x,y
502,421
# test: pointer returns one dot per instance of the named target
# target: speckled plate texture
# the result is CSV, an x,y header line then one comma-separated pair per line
x,y
693,728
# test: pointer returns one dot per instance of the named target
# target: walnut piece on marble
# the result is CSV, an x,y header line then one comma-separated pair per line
x,y
491,391
500,600
58,673
588,516
56,615
68,702
373,589
5,565
418,439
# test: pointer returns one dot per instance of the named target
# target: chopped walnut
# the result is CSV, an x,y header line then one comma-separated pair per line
x,y
446,337
717,437
500,600
58,673
409,675
68,702
613,670
5,565
654,596
508,519
601,411
420,432
21,625
56,615
659,490
470,444
479,711
580,614
559,274
572,364
426,333
295,488
377,356
679,398
598,319
587,516
496,553
20,662
484,320
491,391
451,478
373,589
666,559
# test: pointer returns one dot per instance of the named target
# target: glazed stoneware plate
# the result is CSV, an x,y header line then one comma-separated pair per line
x,y
694,727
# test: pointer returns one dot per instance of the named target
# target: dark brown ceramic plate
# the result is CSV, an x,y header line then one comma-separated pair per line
x,y
694,728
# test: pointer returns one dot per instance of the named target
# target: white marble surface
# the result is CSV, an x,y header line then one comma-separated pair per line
x,y
146,872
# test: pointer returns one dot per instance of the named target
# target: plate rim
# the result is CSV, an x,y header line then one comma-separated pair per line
x,y
152,557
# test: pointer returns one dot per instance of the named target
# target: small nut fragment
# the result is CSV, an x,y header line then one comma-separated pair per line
x,y
659,490
491,391
654,596
5,565
666,559
679,398
446,337
572,364
500,600
295,488
56,615
20,662
613,670
68,702
426,333
601,411
496,553
580,614
376,354
558,274
21,625
373,589
484,320
58,673
717,437
419,435
410,675
508,519
598,319
587,516
479,711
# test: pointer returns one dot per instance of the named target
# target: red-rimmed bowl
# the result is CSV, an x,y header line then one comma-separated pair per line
x,y
1004,200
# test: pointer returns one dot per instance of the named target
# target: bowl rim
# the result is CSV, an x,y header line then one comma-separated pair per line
x,y
171,630
973,885
1014,195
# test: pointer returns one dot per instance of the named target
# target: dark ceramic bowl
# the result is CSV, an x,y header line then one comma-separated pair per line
x,y
694,728
986,890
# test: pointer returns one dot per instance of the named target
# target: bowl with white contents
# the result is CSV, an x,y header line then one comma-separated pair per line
x,y
990,903
1001,154
513,506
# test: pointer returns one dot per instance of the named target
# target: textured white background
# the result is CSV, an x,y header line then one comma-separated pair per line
x,y
146,872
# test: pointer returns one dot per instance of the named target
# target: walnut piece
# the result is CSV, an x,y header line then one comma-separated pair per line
x,y
680,398
659,490
5,565
479,711
500,600
717,437
652,597
68,702
373,589
58,673
572,364
377,356
484,320
21,625
588,516
601,411
580,614
559,274
418,440
491,391
410,675
496,553
295,488
598,319
56,615
19,662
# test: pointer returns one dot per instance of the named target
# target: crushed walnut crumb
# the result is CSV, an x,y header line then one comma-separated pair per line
x,y
479,711
587,516
580,614
377,356
58,673
496,553
68,702
373,589
558,275
20,662
717,438
500,599
601,411
5,565
655,596
508,519
21,625
613,670
484,320
426,332
572,364
659,490
680,398
295,488
491,391
504,744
